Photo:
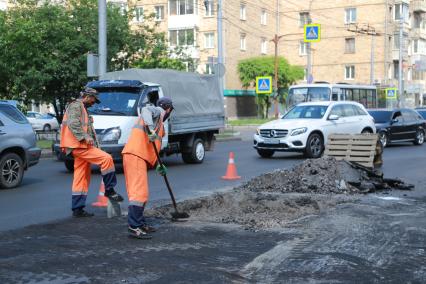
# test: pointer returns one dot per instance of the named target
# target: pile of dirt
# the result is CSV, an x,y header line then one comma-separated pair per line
x,y
274,199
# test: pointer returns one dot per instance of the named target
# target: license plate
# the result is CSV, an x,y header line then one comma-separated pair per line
x,y
271,141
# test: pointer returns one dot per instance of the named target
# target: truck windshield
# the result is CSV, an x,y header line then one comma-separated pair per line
x,y
308,94
117,102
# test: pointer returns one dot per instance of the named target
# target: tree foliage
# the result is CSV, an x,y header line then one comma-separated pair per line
x,y
249,69
44,48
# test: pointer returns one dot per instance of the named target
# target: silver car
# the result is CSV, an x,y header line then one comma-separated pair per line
x,y
18,149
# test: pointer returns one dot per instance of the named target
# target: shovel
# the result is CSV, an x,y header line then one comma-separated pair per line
x,y
175,215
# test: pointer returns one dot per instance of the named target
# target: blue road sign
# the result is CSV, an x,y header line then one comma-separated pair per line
x,y
264,85
312,33
391,93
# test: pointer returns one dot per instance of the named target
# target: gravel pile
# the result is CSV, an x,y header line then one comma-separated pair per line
x,y
275,199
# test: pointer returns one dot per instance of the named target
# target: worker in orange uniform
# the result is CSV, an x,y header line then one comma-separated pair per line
x,y
138,156
79,140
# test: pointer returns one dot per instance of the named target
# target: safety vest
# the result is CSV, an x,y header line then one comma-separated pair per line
x,y
68,139
139,144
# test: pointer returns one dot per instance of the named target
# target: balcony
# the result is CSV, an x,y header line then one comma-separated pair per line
x,y
418,6
417,33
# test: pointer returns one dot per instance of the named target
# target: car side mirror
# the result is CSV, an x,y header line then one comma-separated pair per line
x,y
333,117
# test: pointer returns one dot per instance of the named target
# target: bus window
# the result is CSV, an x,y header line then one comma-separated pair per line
x,y
363,97
319,94
355,95
347,95
297,95
336,93
371,98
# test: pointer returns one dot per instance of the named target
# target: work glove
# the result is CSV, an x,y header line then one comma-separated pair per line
x,y
161,170
152,136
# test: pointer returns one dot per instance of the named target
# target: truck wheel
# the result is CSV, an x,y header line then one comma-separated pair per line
x,y
69,164
265,153
11,170
196,156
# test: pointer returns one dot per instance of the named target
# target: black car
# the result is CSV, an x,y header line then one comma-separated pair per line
x,y
399,125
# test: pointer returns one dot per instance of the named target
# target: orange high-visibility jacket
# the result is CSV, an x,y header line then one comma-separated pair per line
x,y
68,139
139,144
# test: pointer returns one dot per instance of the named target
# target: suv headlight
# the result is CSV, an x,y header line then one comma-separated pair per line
x,y
298,131
111,135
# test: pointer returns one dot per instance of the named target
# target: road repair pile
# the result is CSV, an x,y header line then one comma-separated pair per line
x,y
275,199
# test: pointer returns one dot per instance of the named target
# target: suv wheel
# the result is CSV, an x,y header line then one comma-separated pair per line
x,y
11,170
265,153
420,137
314,146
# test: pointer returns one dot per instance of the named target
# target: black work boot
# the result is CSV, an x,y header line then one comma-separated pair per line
x,y
112,195
139,233
149,229
80,212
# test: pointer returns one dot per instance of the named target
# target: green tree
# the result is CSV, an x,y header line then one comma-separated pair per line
x,y
249,69
44,49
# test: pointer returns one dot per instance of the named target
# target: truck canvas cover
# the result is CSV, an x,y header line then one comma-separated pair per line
x,y
197,100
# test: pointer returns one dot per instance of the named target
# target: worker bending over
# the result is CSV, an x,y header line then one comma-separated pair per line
x,y
138,156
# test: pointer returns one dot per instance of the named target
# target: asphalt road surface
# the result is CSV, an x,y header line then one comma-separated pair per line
x,y
378,238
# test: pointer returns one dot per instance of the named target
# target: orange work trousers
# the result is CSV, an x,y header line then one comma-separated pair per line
x,y
135,172
83,158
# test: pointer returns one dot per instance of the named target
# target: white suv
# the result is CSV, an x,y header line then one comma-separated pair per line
x,y
305,127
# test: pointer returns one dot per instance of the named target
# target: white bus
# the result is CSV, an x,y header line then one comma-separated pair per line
x,y
323,91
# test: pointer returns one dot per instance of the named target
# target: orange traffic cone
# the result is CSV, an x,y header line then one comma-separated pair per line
x,y
102,200
231,171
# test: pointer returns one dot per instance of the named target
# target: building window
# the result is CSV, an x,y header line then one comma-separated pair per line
x,y
415,46
263,17
209,40
159,13
181,7
138,14
350,15
303,47
242,41
350,45
209,5
181,37
401,11
209,68
349,72
396,69
303,19
263,46
242,11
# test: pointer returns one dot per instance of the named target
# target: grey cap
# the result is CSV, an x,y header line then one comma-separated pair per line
x,y
90,92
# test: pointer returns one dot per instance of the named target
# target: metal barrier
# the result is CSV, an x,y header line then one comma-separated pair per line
x,y
51,136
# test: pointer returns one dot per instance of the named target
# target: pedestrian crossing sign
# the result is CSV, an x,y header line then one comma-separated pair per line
x,y
264,85
312,33
391,93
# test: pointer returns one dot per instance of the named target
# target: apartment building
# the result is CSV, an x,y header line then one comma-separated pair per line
x,y
248,27
360,42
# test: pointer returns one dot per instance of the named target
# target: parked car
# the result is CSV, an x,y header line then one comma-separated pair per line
x,y
421,111
44,122
18,149
399,125
305,127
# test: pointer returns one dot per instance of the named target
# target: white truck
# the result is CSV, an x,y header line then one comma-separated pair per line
x,y
198,110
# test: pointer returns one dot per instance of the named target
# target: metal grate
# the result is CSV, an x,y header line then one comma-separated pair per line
x,y
273,133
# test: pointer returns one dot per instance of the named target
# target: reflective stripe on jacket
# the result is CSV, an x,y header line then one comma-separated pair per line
x,y
68,140
139,144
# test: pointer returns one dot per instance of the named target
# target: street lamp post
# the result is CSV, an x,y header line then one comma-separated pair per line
x,y
102,37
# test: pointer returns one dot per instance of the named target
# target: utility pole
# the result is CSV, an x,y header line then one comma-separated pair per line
x,y
308,49
102,37
220,60
400,81
367,30
275,40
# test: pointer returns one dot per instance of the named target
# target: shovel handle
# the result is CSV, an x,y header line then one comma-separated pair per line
x,y
165,177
